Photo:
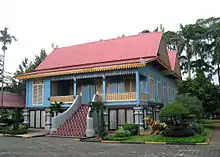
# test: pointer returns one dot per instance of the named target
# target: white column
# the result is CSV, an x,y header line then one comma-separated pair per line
x,y
48,120
106,119
90,132
138,114
26,117
149,113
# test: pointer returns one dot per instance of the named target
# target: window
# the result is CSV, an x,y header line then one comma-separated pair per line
x,y
151,85
169,93
159,89
98,86
130,84
165,92
130,116
38,87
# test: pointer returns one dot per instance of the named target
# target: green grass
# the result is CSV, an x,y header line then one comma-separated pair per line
x,y
208,121
160,138
208,125
91,139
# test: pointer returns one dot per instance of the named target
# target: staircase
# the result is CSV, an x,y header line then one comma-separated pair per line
x,y
76,126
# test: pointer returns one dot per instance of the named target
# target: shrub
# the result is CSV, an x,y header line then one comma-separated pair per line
x,y
15,129
133,128
173,112
197,127
192,103
123,133
178,132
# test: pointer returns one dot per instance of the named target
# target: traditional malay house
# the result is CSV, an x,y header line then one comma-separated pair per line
x,y
133,75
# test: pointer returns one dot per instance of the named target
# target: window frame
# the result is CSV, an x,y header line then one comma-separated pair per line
x,y
152,92
159,86
37,84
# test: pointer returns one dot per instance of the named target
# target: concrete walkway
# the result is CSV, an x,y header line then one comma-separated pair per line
x,y
216,133
33,134
28,135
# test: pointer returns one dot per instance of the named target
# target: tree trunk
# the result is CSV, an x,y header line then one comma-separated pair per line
x,y
98,122
189,68
218,70
2,87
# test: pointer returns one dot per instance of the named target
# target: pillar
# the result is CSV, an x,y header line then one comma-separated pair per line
x,y
149,113
157,111
48,120
26,117
106,119
138,114
104,88
138,87
74,88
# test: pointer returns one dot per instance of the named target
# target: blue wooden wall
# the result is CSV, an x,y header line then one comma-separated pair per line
x,y
29,93
156,74
46,91
116,86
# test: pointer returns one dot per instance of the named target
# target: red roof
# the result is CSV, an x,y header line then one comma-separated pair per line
x,y
172,58
12,100
113,51
174,62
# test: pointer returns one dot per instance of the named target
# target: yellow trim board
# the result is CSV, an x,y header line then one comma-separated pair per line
x,y
78,71
89,70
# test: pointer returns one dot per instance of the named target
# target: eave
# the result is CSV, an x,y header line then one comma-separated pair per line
x,y
80,71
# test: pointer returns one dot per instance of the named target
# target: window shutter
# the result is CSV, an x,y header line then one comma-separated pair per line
x,y
38,88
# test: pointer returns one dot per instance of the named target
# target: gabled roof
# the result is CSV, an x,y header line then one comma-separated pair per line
x,y
174,62
106,51
113,54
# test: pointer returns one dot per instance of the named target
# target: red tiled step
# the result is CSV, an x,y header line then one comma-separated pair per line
x,y
76,126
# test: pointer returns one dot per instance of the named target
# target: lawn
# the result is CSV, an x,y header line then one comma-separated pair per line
x,y
208,121
160,138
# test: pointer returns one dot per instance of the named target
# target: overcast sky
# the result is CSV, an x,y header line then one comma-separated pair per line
x,y
38,23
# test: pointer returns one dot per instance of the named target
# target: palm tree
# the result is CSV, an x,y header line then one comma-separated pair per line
x,y
5,39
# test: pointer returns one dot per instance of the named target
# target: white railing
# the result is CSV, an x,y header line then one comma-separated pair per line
x,y
90,132
61,118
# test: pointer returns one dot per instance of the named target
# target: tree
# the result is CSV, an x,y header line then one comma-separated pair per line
x,y
174,111
57,107
5,39
26,66
38,59
15,85
192,103
202,88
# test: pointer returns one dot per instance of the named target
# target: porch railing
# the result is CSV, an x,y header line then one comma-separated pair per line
x,y
130,96
143,96
64,99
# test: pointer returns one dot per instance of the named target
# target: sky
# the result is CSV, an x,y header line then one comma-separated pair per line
x,y
39,23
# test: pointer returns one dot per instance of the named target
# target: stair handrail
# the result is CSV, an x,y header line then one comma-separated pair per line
x,y
90,132
93,99
57,121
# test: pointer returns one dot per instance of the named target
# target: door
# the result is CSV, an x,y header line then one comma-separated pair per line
x,y
88,90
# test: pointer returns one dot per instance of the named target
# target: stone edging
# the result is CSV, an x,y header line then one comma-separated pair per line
x,y
159,143
21,136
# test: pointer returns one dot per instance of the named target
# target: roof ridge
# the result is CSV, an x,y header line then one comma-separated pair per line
x,y
104,40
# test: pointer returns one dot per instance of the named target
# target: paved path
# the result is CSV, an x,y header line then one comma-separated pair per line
x,y
216,133
67,147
